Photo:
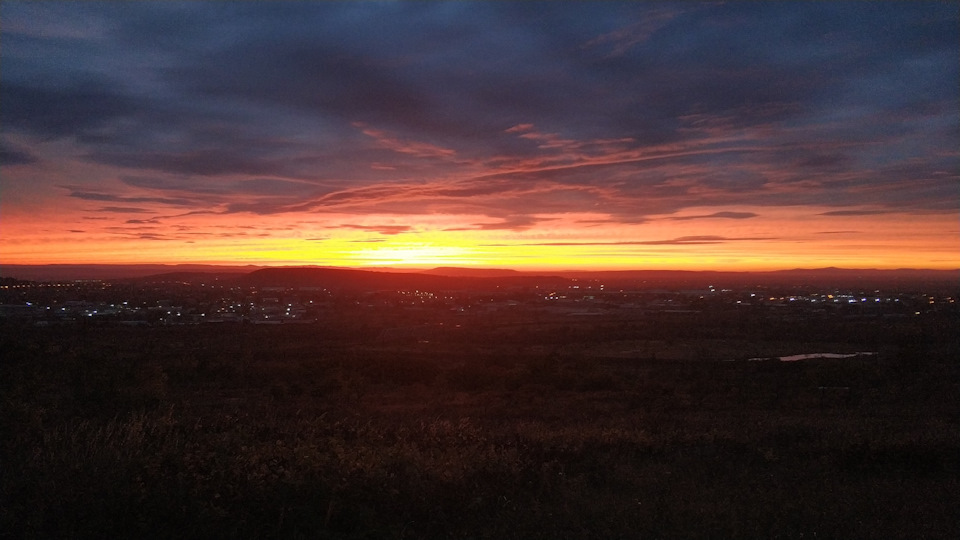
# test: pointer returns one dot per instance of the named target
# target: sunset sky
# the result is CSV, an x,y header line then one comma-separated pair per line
x,y
738,136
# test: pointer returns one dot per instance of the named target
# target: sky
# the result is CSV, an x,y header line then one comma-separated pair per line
x,y
528,135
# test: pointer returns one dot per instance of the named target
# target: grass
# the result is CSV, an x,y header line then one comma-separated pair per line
x,y
289,433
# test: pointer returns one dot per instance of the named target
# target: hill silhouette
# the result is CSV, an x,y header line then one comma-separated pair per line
x,y
456,271
459,278
348,279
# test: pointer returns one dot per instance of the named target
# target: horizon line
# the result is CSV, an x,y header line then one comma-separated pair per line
x,y
415,267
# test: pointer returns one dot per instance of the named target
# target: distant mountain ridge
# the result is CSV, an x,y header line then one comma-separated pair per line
x,y
476,272
54,272
478,278
341,278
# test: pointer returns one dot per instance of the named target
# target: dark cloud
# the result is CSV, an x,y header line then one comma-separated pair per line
x,y
123,210
680,241
273,186
50,112
482,84
312,75
152,236
721,215
512,223
94,196
820,161
508,110
854,212
11,155
382,229
266,187
202,162
708,239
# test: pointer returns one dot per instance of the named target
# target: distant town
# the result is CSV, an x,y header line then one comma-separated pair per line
x,y
304,296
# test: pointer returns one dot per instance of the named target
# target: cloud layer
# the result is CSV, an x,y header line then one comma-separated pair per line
x,y
522,118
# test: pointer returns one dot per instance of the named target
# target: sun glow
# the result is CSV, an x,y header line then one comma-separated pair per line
x,y
699,238
413,254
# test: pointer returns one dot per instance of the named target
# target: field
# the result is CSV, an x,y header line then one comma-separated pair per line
x,y
407,424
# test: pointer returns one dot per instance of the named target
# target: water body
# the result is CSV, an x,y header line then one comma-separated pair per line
x,y
812,356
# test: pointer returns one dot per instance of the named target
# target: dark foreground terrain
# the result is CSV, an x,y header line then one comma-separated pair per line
x,y
527,428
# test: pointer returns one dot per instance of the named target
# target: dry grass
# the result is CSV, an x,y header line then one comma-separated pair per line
x,y
288,436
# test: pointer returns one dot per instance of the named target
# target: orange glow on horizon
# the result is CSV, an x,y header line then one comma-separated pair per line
x,y
782,240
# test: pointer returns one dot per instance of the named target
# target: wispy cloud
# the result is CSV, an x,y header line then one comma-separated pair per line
x,y
718,215
414,148
123,210
680,241
382,229
11,155
848,213
106,197
622,39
